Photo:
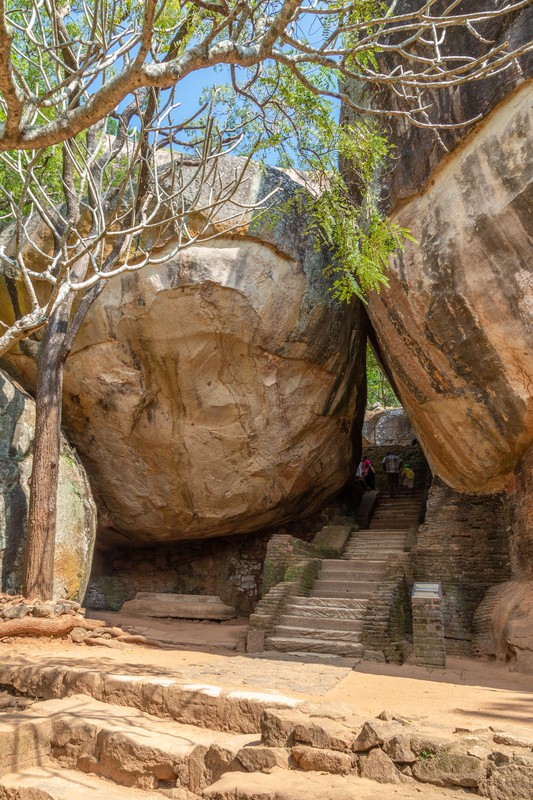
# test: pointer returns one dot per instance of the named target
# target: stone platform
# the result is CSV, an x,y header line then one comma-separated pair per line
x,y
179,606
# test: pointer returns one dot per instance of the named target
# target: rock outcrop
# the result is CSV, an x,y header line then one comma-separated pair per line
x,y
454,328
387,426
216,394
76,526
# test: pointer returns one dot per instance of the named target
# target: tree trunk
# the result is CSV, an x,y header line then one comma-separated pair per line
x,y
40,547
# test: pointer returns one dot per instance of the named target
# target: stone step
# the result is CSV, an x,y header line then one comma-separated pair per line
x,y
24,739
338,635
325,603
53,783
133,748
334,612
403,526
336,623
333,594
279,784
377,533
345,585
361,568
287,644
378,547
163,695
379,540
371,551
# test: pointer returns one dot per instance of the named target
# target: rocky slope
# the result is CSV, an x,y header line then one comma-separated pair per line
x,y
76,527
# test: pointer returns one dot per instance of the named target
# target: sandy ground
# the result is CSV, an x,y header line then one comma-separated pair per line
x,y
468,693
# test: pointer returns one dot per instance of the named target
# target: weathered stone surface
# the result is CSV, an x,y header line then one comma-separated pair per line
x,y
387,426
331,540
398,748
504,624
376,732
377,766
215,394
262,759
290,727
180,606
76,526
450,769
454,328
511,782
322,760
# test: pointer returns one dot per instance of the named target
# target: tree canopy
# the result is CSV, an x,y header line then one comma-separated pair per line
x,y
64,66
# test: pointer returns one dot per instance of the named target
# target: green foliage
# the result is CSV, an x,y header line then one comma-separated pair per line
x,y
378,387
275,114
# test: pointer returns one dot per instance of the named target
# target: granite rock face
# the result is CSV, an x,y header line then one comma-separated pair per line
x,y
387,426
454,329
216,394
76,526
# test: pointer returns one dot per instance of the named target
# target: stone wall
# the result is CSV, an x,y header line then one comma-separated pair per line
x,y
464,545
388,622
520,511
229,567
503,625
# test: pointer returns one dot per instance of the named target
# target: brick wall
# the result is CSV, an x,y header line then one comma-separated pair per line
x,y
464,545
388,621
519,507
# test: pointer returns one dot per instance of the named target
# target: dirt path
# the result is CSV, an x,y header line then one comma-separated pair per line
x,y
467,694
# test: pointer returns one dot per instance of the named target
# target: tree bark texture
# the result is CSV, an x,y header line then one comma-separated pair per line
x,y
40,546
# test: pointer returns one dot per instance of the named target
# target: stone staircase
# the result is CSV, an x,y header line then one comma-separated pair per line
x,y
109,736
330,621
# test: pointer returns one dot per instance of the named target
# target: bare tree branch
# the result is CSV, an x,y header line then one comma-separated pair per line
x,y
76,69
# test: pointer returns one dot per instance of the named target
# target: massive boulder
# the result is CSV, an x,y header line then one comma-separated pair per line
x,y
216,394
387,426
454,328
76,526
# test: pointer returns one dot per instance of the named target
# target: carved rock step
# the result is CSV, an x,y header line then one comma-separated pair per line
x,y
308,645
362,569
180,606
324,602
329,612
24,740
162,695
334,635
378,534
133,748
52,783
404,524
343,585
323,623
359,552
295,785
340,566
332,594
